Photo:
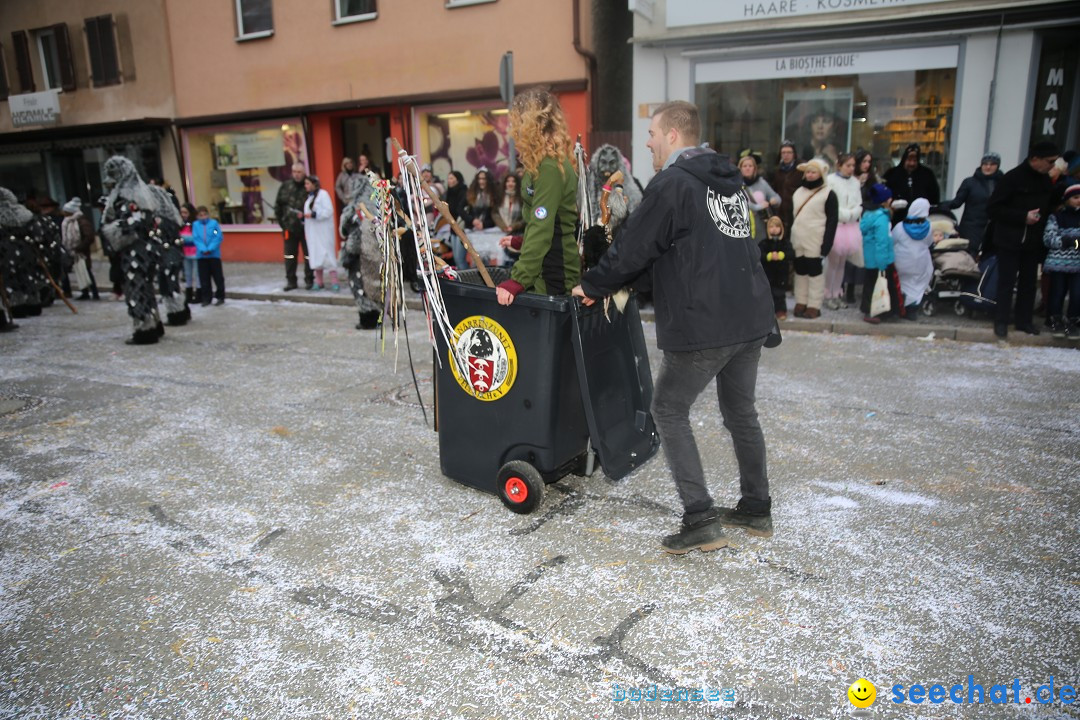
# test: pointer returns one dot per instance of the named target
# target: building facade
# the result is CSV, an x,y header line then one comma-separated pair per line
x,y
220,97
263,83
80,82
958,77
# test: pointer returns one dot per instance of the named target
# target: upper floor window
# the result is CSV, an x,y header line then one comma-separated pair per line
x,y
346,11
101,46
54,49
51,48
254,19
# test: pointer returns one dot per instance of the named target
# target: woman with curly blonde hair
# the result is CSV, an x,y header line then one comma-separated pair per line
x,y
549,263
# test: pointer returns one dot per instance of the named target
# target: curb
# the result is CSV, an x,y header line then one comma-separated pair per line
x,y
842,327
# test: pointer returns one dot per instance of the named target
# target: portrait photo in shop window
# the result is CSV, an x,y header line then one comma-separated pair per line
x,y
819,122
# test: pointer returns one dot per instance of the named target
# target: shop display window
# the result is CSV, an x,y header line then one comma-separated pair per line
x,y
881,112
465,139
236,170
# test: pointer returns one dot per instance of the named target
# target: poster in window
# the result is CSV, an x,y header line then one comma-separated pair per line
x,y
819,122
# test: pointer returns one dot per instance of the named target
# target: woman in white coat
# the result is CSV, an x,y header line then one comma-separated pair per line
x,y
847,247
319,231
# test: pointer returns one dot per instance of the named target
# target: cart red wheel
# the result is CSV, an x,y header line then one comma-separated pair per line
x,y
521,487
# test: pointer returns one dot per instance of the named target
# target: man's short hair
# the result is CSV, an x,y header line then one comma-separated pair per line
x,y
682,116
1044,149
201,209
299,166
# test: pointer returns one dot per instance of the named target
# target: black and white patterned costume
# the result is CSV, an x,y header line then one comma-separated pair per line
x,y
128,224
167,234
360,254
19,267
50,248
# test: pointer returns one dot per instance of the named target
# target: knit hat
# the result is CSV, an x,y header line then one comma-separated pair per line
x,y
819,164
1044,149
879,194
919,209
1073,158
991,157
1072,190
72,206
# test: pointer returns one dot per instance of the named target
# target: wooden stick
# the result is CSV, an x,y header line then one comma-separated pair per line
x,y
444,210
605,212
56,287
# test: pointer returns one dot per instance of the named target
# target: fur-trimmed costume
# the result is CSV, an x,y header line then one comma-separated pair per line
x,y
622,199
128,224
167,234
360,254
19,267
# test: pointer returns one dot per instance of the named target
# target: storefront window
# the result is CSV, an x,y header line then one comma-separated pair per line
x,y
236,170
464,139
882,112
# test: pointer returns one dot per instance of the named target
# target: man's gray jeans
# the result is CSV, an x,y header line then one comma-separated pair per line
x,y
683,375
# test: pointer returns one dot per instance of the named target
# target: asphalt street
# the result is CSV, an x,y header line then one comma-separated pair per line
x,y
248,520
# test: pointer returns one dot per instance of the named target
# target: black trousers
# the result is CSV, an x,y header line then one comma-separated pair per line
x,y
210,268
1019,268
293,242
896,298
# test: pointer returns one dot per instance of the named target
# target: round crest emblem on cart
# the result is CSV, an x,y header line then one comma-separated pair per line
x,y
490,358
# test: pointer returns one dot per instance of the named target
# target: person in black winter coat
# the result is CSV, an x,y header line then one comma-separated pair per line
x,y
1019,207
909,180
776,256
714,311
974,195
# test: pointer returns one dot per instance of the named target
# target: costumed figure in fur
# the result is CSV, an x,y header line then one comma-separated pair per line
x,y
360,254
49,247
19,269
623,197
127,225
167,233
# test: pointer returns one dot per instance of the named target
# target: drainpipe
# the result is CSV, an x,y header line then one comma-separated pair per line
x,y
993,87
590,59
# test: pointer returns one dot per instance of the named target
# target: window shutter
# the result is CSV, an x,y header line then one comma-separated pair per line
x,y
3,75
67,64
101,44
21,43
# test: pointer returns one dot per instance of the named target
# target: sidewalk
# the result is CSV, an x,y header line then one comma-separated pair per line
x,y
264,281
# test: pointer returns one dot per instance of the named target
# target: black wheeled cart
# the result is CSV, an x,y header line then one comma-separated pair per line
x,y
548,386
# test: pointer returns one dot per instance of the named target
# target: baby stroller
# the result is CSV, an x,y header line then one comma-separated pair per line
x,y
954,268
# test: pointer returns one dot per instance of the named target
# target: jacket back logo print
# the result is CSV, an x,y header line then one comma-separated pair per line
x,y
730,213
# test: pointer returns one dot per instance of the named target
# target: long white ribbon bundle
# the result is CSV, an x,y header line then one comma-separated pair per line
x,y
434,305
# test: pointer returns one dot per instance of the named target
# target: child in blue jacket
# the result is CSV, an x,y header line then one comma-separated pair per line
x,y
206,234
878,257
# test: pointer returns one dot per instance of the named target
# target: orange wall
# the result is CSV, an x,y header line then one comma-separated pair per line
x,y
413,47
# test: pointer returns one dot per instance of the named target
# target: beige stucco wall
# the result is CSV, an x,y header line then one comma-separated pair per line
x,y
143,46
414,47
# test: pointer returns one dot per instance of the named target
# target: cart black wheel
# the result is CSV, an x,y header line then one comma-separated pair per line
x,y
928,307
960,309
521,487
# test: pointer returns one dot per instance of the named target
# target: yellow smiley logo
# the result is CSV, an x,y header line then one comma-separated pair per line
x,y
862,693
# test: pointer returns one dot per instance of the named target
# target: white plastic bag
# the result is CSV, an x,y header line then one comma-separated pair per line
x,y
879,301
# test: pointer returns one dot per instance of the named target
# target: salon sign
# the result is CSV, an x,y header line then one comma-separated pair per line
x,y
681,13
41,108
830,63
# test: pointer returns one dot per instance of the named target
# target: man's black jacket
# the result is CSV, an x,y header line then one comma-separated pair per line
x,y
692,232
1020,190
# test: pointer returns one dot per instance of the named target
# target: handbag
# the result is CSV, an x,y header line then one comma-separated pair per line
x,y
879,300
